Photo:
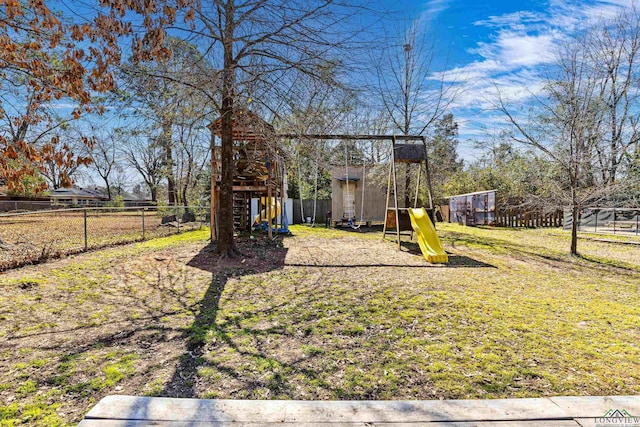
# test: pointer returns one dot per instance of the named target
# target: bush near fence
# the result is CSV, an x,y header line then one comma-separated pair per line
x,y
32,237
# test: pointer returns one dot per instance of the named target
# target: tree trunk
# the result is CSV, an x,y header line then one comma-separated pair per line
x,y
575,211
187,181
225,236
168,159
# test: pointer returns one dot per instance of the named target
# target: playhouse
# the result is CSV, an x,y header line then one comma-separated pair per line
x,y
259,183
355,197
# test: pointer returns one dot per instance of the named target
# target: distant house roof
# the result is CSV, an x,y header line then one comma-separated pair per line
x,y
78,193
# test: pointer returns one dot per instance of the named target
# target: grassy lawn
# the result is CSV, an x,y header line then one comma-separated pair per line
x,y
326,314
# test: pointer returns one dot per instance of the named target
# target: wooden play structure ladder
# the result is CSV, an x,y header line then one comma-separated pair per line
x,y
408,152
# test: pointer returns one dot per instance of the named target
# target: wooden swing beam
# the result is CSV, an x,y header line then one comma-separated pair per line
x,y
326,136
392,170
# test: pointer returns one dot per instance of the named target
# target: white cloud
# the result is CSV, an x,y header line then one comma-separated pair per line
x,y
525,50
473,71
521,20
520,45
432,9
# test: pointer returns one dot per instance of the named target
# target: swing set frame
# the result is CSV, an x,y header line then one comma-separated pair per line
x,y
408,156
264,174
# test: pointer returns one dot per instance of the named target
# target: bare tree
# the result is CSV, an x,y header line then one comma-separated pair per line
x,y
60,151
410,90
313,106
192,153
166,93
566,126
146,156
612,47
258,46
104,157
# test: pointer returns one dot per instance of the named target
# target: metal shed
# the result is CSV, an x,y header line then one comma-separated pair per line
x,y
477,208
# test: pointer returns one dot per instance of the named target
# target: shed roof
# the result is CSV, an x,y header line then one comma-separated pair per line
x,y
472,194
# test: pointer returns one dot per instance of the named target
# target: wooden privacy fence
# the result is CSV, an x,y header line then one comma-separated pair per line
x,y
322,207
522,217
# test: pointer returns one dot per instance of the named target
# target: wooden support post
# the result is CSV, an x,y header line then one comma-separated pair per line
x,y
268,211
276,188
415,199
283,196
519,224
386,206
280,195
426,163
395,189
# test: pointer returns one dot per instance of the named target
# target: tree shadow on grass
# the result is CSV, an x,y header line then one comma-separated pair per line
x,y
455,261
527,252
261,256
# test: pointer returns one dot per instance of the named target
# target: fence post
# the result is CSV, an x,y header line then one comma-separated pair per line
x,y
595,227
143,231
86,246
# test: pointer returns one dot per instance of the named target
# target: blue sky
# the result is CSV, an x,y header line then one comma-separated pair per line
x,y
500,43
484,44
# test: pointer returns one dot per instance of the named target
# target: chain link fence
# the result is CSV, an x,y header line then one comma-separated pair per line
x,y
33,237
25,205
625,221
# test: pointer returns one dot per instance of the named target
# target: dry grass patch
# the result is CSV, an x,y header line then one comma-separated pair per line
x,y
326,314
38,237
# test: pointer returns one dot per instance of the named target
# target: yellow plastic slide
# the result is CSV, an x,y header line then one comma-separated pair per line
x,y
275,211
427,238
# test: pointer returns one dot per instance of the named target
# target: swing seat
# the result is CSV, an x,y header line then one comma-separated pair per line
x,y
345,221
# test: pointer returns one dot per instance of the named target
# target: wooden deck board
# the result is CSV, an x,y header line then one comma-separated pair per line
x,y
596,406
129,423
117,411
